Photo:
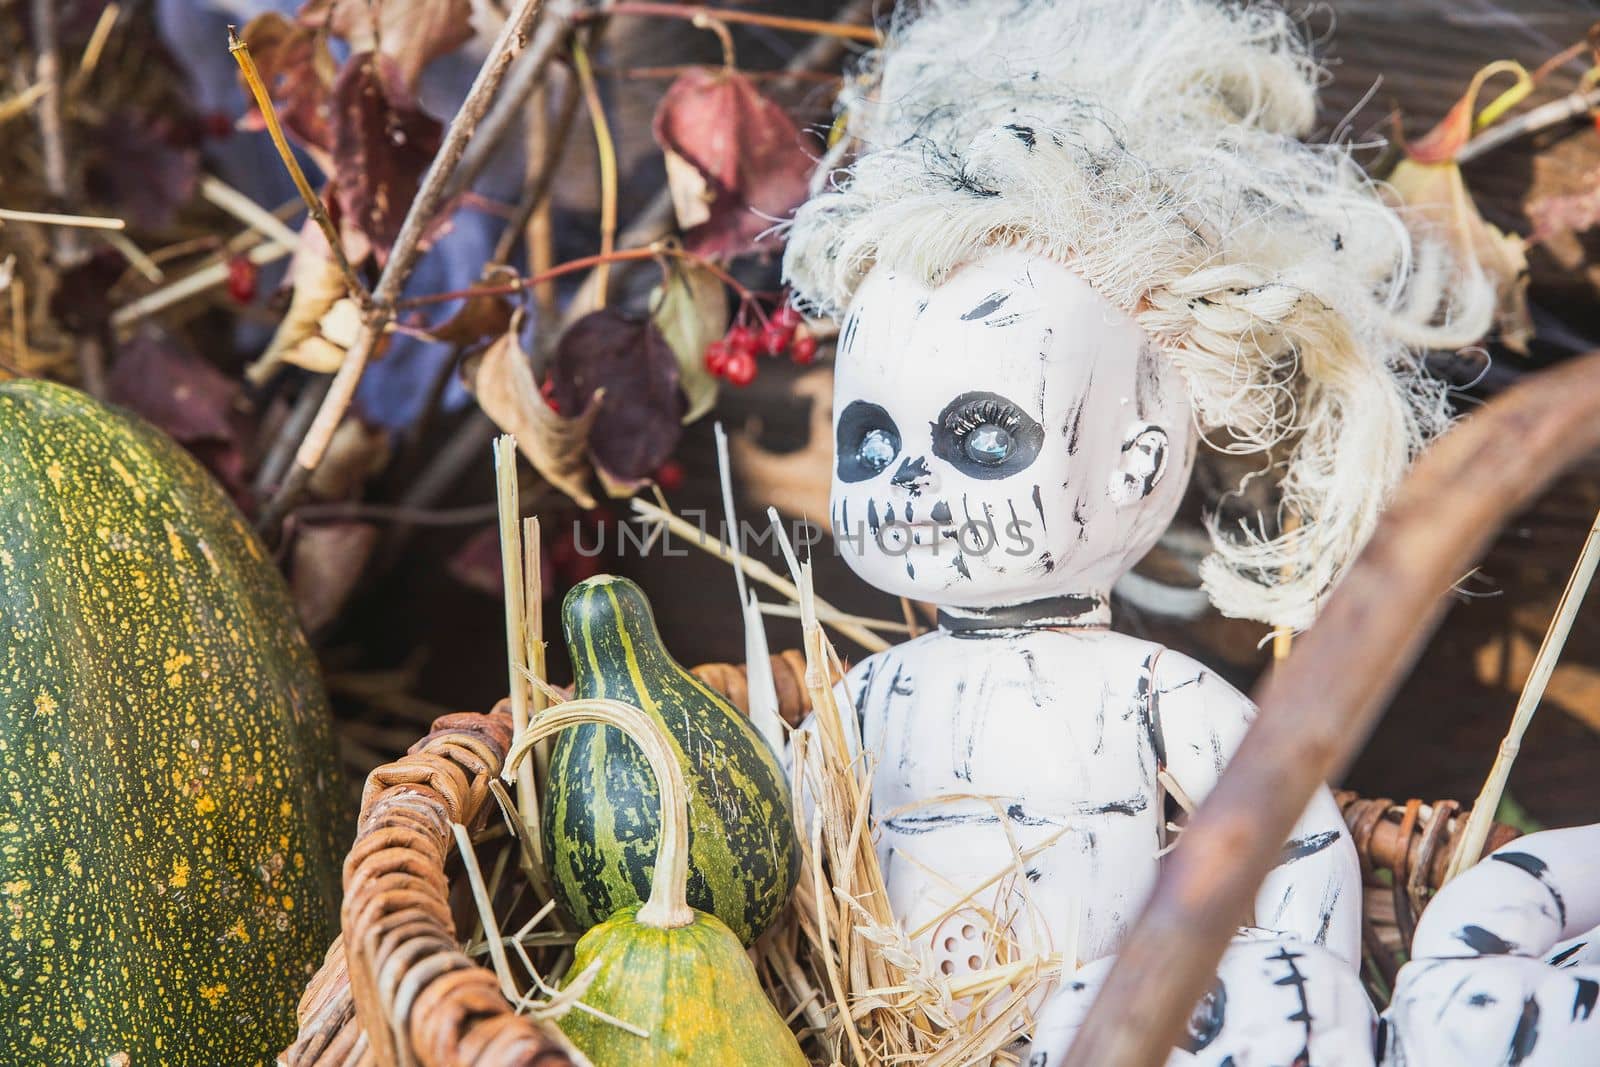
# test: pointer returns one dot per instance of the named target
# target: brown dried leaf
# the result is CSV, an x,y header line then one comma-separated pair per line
x,y
169,384
318,285
691,310
382,145
479,319
734,160
476,564
299,72
502,380
411,32
1553,216
1435,197
642,410
326,564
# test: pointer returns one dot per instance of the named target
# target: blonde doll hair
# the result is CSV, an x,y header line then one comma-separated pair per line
x,y
1156,146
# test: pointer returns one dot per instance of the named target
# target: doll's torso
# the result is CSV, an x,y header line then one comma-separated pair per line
x,y
1019,739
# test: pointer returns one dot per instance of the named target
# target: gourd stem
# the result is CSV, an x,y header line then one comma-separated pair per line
x,y
668,905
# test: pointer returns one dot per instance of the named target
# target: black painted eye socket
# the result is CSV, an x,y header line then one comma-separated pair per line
x,y
866,441
986,436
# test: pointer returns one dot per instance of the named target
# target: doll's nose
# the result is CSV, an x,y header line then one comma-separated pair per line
x,y
914,476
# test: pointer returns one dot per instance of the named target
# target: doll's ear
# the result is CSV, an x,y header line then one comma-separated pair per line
x,y
1141,465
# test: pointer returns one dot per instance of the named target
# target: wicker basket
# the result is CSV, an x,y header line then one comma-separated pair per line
x,y
397,989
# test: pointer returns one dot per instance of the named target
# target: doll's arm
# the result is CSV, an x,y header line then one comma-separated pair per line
x,y
1314,893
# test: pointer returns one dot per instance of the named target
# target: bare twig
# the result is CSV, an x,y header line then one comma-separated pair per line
x,y
1470,845
1316,711
700,15
95,48
247,211
407,248
181,289
68,250
1556,113
606,151
313,202
51,218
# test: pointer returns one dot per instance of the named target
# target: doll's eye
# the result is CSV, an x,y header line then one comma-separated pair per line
x,y
866,441
986,436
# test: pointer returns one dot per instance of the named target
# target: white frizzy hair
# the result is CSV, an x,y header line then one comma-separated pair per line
x,y
1155,145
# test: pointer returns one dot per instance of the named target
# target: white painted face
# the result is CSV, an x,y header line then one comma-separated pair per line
x,y
1006,437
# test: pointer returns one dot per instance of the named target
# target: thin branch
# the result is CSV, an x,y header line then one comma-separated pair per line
x,y
52,129
407,248
1316,711
606,149
313,202
51,218
247,211
1568,108
698,14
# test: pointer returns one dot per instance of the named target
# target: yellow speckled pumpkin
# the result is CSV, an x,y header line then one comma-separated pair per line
x,y
678,975
168,861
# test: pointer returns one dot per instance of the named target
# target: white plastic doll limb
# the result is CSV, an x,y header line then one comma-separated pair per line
x,y
1315,891
1276,1001
1520,900
1489,1011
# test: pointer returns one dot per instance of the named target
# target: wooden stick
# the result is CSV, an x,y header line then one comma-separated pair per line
x,y
51,218
407,248
1318,706
247,211
1470,846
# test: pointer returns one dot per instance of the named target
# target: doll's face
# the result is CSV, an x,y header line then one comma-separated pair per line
x,y
1007,436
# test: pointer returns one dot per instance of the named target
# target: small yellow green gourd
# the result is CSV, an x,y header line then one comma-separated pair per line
x,y
679,975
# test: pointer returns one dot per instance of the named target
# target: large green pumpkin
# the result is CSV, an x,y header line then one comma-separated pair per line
x,y
168,852
599,816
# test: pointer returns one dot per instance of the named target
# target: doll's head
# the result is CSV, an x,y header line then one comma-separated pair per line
x,y
1148,155
1003,436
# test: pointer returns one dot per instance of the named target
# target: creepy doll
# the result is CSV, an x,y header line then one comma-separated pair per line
x,y
1075,239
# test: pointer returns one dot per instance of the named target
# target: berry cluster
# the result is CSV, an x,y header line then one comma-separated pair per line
x,y
733,356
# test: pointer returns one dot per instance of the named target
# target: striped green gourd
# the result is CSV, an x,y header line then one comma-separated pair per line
x,y
599,816
168,862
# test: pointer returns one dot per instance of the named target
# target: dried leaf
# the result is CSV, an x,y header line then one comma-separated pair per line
x,y
1553,216
160,378
641,411
691,310
479,319
735,163
326,564
411,32
502,380
165,381
1441,143
1435,196
299,71
382,145
318,285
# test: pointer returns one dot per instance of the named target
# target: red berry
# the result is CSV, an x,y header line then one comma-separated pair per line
x,y
242,275
548,391
804,349
669,475
741,340
717,357
741,368
774,339
786,317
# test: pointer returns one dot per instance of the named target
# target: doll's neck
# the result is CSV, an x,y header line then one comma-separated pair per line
x,y
1071,611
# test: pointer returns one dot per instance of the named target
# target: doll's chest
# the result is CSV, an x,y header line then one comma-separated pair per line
x,y
1062,722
